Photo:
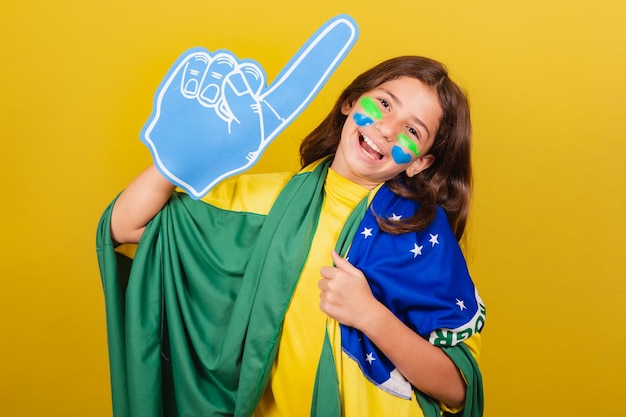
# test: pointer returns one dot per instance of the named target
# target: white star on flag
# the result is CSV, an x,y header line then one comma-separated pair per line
x,y
461,304
367,232
395,217
370,358
434,239
417,250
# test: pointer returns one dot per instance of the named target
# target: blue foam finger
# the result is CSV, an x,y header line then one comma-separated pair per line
x,y
310,68
176,131
213,116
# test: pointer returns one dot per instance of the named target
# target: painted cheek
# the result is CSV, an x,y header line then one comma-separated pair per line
x,y
371,108
406,142
399,156
362,120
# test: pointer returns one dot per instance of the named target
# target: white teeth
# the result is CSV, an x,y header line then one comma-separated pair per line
x,y
372,144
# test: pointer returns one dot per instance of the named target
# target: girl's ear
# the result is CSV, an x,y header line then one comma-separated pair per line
x,y
346,107
420,164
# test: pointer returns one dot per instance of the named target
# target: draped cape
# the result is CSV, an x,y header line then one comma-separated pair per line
x,y
194,319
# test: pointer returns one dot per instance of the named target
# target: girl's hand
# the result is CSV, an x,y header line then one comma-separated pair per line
x,y
345,294
347,298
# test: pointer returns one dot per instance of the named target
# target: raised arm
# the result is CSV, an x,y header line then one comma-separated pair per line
x,y
138,204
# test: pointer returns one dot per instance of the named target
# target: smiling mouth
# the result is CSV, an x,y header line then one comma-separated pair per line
x,y
370,148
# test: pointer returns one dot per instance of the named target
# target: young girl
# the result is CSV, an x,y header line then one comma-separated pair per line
x,y
243,303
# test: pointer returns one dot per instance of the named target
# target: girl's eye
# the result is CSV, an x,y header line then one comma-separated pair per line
x,y
384,103
414,132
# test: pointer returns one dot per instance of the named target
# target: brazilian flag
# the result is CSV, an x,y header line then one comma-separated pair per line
x,y
194,319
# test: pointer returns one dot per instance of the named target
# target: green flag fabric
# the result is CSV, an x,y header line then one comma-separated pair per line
x,y
194,319
209,288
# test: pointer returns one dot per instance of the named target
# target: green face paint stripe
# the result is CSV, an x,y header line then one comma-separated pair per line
x,y
371,108
408,143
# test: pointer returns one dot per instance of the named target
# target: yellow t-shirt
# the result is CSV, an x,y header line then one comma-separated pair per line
x,y
291,383
290,388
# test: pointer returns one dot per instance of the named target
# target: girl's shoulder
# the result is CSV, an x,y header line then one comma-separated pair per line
x,y
253,193
387,204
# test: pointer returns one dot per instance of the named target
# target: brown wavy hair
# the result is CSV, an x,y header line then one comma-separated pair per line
x,y
447,182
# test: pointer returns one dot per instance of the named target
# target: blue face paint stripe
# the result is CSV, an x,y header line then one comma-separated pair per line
x,y
362,120
399,156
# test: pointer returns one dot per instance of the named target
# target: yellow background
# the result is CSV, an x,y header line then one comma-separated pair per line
x,y
546,238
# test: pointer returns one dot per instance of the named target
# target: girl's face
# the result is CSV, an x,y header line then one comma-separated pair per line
x,y
387,131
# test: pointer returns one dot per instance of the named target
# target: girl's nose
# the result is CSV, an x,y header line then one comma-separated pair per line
x,y
385,128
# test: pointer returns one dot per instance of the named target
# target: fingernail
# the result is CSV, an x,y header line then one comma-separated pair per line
x,y
210,93
191,87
